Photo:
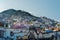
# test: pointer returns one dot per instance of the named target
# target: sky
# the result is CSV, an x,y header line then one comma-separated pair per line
x,y
48,8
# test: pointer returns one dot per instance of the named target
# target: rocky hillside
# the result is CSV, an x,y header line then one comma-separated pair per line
x,y
11,14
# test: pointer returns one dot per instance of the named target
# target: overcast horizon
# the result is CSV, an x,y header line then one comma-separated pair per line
x,y
48,8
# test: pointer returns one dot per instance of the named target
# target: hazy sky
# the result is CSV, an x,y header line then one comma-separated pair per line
x,y
48,8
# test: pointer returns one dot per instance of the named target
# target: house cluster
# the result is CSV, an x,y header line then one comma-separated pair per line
x,y
19,22
19,26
